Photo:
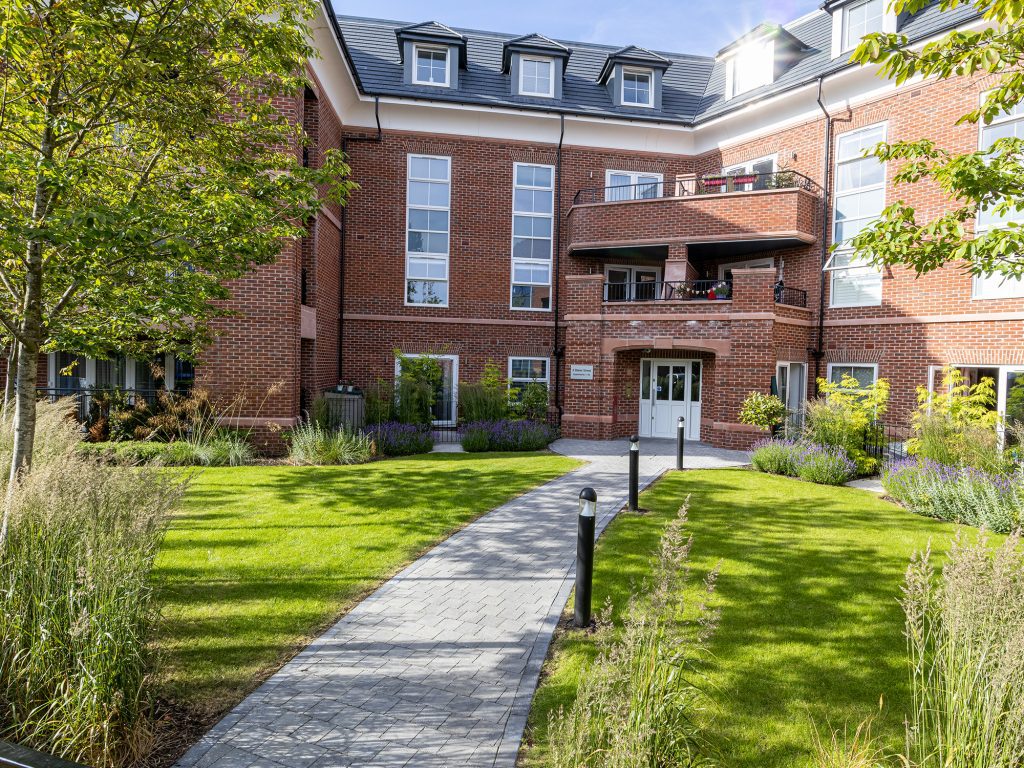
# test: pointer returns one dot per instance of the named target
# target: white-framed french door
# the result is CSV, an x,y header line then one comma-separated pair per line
x,y
446,400
670,389
1009,381
791,380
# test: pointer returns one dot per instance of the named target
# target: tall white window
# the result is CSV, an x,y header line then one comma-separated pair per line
x,y
752,66
533,206
629,185
428,205
637,87
859,200
430,66
535,77
997,286
861,19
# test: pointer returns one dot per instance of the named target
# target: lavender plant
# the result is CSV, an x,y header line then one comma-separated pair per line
x,y
393,438
958,494
824,464
506,435
775,457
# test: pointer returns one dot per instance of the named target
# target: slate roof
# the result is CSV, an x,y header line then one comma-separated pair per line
x,y
693,87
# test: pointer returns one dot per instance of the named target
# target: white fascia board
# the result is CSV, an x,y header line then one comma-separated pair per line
x,y
331,67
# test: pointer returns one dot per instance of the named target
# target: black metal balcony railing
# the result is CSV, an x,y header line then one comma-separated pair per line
x,y
794,297
695,187
680,290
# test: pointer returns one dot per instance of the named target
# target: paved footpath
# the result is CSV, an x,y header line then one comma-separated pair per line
x,y
438,666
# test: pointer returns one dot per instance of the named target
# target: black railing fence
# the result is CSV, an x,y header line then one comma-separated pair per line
x,y
794,297
93,402
696,187
661,290
16,756
886,442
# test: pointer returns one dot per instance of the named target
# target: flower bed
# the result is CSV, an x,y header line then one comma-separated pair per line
x,y
394,438
816,463
957,494
506,435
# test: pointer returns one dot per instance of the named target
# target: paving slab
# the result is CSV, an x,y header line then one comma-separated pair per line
x,y
439,665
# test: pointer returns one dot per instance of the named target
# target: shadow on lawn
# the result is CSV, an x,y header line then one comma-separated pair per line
x,y
811,627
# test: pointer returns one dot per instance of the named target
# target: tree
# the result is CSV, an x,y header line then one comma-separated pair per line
x,y
145,160
981,228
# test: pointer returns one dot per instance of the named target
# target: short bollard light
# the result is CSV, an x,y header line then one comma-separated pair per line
x,y
634,473
585,556
680,441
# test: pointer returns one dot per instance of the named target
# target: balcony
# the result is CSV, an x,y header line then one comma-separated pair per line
x,y
711,215
691,291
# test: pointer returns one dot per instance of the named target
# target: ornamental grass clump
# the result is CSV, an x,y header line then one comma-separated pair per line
x,y
641,701
957,494
824,464
313,444
775,457
77,609
965,638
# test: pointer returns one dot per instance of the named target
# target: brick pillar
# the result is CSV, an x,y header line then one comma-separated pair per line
x,y
583,294
753,289
677,264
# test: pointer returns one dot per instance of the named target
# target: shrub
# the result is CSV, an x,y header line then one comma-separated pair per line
x,y
478,402
638,705
506,435
314,444
957,424
764,411
824,464
965,632
380,402
845,417
776,457
957,494
77,610
531,401
394,438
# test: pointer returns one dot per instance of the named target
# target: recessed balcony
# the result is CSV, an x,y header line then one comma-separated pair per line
x,y
711,215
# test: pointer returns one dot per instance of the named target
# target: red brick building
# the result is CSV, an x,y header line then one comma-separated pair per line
x,y
647,233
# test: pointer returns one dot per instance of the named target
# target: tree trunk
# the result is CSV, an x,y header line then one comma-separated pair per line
x,y
12,368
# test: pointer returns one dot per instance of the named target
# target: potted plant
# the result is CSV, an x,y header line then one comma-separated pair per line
x,y
720,290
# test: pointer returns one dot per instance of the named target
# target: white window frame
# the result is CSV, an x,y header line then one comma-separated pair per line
x,y
440,258
416,49
550,262
747,168
1001,391
1009,288
455,383
637,71
546,381
759,263
634,184
734,66
872,366
632,282
550,93
88,375
839,25
852,268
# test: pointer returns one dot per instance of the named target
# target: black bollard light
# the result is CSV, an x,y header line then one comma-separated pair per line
x,y
634,473
585,556
680,440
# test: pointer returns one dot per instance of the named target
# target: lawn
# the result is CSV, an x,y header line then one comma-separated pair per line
x,y
811,628
263,558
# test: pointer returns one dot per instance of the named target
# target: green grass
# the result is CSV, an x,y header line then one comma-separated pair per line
x,y
263,558
811,629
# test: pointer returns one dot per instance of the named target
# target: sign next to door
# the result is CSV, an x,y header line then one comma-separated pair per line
x,y
581,372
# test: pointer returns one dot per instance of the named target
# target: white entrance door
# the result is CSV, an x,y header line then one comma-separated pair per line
x,y
669,389
791,379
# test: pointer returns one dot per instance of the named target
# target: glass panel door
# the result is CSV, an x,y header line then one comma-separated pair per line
x,y
645,284
1014,411
444,396
617,285
619,187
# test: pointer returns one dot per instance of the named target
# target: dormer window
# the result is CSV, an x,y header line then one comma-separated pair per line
x,y
751,67
536,76
431,66
853,19
860,19
637,90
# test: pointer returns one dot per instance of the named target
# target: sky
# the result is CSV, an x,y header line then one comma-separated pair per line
x,y
684,26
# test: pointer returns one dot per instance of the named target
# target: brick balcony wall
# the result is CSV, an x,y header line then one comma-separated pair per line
x,y
764,214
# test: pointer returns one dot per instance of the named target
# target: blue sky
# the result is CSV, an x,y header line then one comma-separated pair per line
x,y
685,26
